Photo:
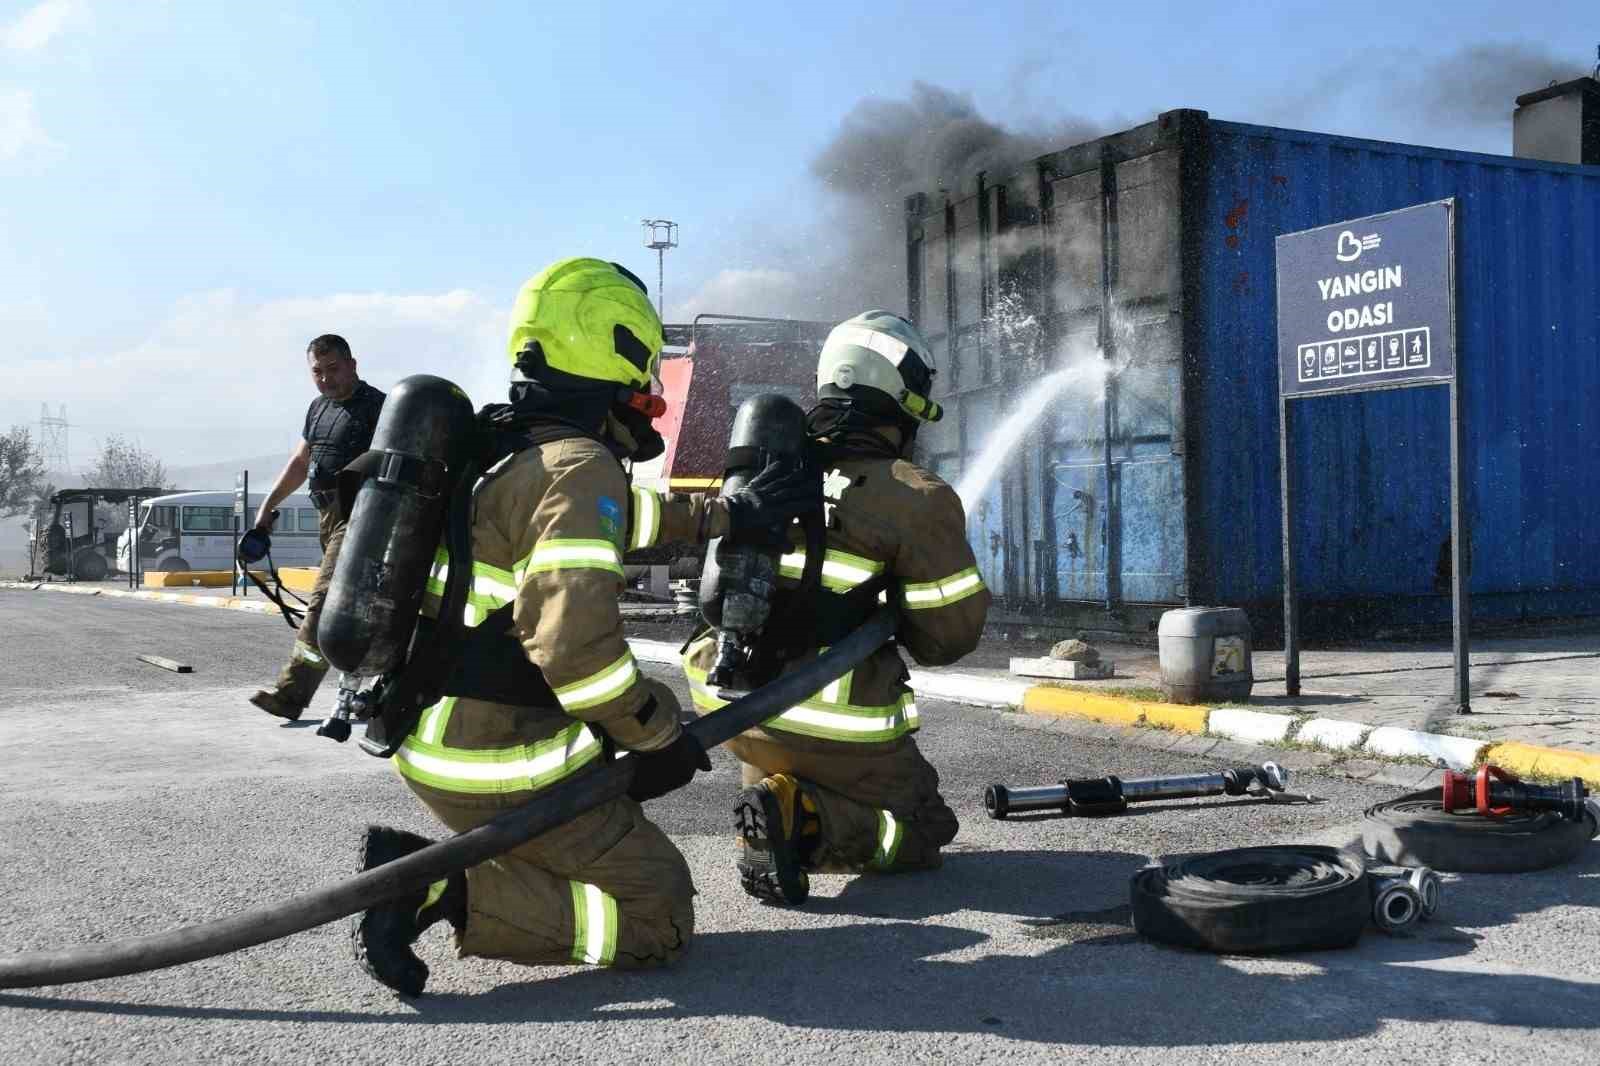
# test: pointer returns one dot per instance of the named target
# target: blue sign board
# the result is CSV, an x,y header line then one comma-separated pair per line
x,y
1369,303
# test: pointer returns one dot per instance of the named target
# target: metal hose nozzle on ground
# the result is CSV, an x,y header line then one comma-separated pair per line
x,y
548,808
1396,905
1429,886
1112,794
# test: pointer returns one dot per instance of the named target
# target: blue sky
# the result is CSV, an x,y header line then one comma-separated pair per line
x,y
190,190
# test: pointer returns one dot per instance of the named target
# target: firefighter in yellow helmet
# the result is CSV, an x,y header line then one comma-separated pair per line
x,y
550,524
837,783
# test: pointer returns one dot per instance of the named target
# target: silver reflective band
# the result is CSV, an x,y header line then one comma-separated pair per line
x,y
646,516
508,770
494,589
889,833
610,683
596,925
891,348
833,568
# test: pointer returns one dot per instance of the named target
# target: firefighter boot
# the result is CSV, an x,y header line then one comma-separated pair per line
x,y
383,935
296,684
778,829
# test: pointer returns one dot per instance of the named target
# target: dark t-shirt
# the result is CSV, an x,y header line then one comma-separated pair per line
x,y
340,430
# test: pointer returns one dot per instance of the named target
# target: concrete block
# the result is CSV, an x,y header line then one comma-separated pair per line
x,y
1256,727
1064,669
1458,753
1335,734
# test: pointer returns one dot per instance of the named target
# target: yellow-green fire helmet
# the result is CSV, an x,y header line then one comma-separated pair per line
x,y
589,319
880,350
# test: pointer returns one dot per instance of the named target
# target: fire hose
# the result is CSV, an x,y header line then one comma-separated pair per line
x,y
1112,794
551,807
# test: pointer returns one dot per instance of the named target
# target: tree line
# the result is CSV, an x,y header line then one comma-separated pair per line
x,y
24,481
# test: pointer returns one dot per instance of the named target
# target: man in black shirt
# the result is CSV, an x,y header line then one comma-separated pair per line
x,y
339,426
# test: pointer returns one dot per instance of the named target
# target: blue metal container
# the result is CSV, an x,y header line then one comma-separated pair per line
x,y
1154,250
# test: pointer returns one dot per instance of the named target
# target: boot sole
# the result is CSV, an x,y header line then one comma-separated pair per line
x,y
771,869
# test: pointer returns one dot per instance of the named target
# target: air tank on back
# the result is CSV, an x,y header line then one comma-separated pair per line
x,y
425,432
741,573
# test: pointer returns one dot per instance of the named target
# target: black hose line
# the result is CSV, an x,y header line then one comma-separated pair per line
x,y
549,808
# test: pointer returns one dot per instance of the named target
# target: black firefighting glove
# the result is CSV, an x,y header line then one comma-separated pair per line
x,y
655,773
773,498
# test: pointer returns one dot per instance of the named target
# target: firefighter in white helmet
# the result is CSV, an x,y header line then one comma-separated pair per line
x,y
837,782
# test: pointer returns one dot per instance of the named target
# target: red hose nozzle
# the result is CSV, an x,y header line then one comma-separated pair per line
x,y
1494,792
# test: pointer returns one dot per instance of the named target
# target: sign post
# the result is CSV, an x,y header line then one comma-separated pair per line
x,y
241,498
133,542
1364,305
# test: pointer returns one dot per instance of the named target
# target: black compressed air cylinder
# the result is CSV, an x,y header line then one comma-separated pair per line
x,y
425,432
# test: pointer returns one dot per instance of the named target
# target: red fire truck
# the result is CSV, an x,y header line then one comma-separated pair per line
x,y
708,369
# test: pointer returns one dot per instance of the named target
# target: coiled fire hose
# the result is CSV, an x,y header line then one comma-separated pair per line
x,y
551,807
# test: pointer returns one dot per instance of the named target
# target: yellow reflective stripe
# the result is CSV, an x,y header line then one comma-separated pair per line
x,y
890,833
837,690
430,728
497,770
306,654
557,554
840,570
491,586
599,687
945,591
594,925
646,518
828,721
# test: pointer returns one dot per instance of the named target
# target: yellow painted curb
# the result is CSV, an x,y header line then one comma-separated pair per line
x,y
1177,716
1528,760
1047,699
299,578
163,579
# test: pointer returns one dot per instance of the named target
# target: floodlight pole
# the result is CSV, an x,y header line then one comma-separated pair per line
x,y
659,235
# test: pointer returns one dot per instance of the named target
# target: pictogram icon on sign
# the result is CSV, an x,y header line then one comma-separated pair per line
x,y
1350,246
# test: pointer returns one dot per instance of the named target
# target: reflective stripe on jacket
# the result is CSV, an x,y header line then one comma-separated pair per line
x,y
547,537
886,516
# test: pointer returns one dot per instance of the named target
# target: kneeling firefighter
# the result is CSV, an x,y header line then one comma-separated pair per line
x,y
550,520
837,783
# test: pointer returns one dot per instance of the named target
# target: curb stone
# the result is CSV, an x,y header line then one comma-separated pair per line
x,y
1200,730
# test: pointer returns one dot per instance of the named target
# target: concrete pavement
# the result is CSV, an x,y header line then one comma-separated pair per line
x,y
1536,696
137,800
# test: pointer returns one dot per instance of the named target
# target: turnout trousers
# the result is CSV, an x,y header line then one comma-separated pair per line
x,y
607,888
879,804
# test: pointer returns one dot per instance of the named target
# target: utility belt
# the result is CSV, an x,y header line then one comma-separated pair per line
x,y
324,491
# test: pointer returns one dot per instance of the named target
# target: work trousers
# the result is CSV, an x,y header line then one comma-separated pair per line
x,y
607,888
303,673
879,804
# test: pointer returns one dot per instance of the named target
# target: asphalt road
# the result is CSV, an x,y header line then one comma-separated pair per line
x,y
135,800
